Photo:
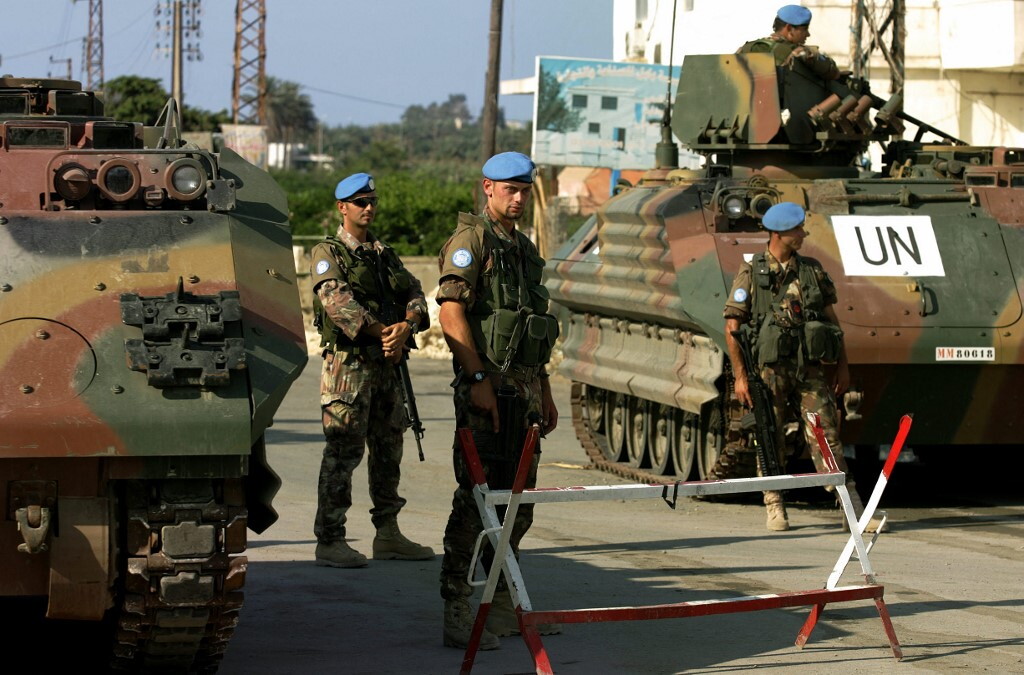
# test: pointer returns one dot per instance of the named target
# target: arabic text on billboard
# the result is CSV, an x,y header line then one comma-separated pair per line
x,y
248,140
598,113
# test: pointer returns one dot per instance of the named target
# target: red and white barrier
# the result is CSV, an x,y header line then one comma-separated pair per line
x,y
499,536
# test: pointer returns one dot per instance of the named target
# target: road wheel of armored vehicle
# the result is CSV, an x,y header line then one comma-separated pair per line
x,y
182,587
711,439
636,431
595,401
685,438
615,426
659,437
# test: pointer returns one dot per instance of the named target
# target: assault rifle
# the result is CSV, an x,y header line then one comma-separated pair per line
x,y
409,399
765,424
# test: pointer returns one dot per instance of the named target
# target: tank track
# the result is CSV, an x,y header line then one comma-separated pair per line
x,y
735,460
180,577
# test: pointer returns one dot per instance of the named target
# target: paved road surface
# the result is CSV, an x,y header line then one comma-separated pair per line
x,y
953,570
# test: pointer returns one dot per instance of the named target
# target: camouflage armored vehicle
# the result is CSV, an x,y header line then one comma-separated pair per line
x,y
149,329
926,255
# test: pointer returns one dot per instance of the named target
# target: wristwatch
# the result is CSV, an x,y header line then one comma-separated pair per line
x,y
414,325
479,376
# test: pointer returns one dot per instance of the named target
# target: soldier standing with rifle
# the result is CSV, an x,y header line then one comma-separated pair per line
x,y
780,306
494,317
368,307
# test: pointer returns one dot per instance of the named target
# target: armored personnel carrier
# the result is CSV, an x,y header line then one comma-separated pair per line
x,y
149,329
926,254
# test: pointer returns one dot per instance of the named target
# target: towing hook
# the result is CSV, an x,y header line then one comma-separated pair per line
x,y
34,525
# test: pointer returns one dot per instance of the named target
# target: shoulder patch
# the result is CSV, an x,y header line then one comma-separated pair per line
x,y
322,266
740,295
462,258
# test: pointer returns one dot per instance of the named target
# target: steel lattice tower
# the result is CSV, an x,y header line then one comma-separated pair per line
x,y
92,48
249,91
874,23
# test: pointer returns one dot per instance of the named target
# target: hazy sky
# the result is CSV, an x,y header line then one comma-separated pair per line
x,y
345,53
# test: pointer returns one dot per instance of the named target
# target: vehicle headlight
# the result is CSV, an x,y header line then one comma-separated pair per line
x,y
760,205
72,182
734,207
118,180
186,179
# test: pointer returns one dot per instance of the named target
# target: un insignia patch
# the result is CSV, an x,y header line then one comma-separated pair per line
x,y
462,258
740,295
322,266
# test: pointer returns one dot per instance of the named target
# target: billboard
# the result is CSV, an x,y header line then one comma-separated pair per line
x,y
591,112
248,140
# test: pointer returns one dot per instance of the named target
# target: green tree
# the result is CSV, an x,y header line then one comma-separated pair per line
x,y
289,112
130,98
552,112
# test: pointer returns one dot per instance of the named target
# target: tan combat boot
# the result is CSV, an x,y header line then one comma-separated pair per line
x,y
858,508
458,626
778,521
391,544
502,619
339,554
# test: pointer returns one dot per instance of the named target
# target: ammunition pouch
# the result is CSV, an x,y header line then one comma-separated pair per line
x,y
495,332
774,343
823,341
538,340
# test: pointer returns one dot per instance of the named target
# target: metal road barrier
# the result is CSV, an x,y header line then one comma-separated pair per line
x,y
488,500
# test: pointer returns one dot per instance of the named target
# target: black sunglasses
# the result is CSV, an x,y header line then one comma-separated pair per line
x,y
363,202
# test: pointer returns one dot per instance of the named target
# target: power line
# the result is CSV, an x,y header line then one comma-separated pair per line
x,y
43,49
354,98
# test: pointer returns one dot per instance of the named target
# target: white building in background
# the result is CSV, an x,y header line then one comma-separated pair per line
x,y
295,156
964,58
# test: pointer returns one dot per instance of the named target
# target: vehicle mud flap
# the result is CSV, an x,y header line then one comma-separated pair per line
x,y
261,485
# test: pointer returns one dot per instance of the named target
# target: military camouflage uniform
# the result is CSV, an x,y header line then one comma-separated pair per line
x,y
358,392
465,284
793,377
786,52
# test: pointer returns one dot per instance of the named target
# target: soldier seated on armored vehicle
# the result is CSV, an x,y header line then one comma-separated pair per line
x,y
790,31
812,68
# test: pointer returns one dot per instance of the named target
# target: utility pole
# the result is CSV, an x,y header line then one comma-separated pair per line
x,y
249,89
92,47
66,62
870,31
489,118
181,20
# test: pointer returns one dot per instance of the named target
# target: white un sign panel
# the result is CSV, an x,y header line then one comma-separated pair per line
x,y
888,246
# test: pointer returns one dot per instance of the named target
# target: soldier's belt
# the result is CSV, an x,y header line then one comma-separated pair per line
x,y
519,372
370,351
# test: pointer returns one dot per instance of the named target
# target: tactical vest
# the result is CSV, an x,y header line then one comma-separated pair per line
x,y
509,318
378,282
807,338
779,49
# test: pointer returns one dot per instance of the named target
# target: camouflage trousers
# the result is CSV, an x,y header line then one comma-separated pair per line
x,y
787,382
360,395
464,522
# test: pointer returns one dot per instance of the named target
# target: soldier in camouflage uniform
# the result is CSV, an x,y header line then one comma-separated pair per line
x,y
491,278
787,299
368,307
791,29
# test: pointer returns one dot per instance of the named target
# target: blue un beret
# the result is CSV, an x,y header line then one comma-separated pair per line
x,y
354,184
513,166
783,216
795,15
